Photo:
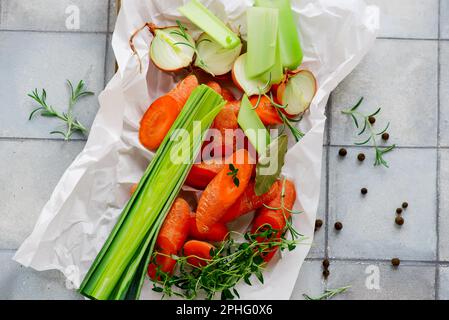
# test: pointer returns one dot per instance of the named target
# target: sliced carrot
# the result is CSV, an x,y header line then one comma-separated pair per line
x,y
223,190
249,201
275,218
227,118
215,86
197,252
227,95
217,233
171,237
203,173
163,112
266,112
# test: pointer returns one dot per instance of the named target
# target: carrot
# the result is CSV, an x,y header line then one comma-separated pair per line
x,y
217,233
171,237
223,190
276,217
215,86
227,95
162,113
203,173
266,112
197,252
249,201
227,118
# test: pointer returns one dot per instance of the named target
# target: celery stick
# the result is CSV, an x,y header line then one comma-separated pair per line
x,y
209,23
276,73
253,127
262,24
291,51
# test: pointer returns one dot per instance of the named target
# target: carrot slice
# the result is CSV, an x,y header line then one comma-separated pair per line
x,y
217,233
223,190
203,173
249,201
266,112
197,252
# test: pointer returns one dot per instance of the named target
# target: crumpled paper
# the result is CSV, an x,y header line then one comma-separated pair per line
x,y
84,206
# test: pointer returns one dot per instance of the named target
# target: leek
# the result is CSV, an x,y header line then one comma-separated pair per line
x,y
209,23
119,269
253,127
291,51
262,24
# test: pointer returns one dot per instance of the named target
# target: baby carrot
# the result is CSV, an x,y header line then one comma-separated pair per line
x,y
197,252
203,173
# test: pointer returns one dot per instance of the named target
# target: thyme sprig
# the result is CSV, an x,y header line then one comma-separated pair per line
x,y
72,124
368,130
230,263
233,173
328,294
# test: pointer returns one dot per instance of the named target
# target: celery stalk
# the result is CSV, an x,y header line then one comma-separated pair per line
x,y
118,270
209,23
276,73
253,127
262,24
291,51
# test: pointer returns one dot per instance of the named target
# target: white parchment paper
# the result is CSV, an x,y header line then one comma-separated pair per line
x,y
85,204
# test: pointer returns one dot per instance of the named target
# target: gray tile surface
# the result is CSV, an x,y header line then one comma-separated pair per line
x,y
29,171
444,205
444,283
54,15
17,282
310,281
444,94
401,77
110,61
369,229
444,20
408,18
407,282
49,60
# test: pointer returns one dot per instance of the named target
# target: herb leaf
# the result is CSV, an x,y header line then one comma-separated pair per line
x,y
328,294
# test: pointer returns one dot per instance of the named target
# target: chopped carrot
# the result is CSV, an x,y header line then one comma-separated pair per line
x,y
227,95
227,118
249,201
266,111
275,218
224,190
163,112
215,86
217,233
171,237
197,252
203,173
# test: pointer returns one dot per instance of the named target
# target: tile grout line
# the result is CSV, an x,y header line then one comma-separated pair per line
x,y
12,139
54,31
106,49
326,214
427,263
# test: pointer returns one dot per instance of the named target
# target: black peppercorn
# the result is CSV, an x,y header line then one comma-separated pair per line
x,y
372,120
338,226
405,205
364,191
398,210
326,273
342,152
318,224
395,262
361,157
385,136
326,264
399,221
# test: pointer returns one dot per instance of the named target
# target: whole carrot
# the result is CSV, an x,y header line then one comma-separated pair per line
x,y
203,173
224,190
197,252
249,201
217,233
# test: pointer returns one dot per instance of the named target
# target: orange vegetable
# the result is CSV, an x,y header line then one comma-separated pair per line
x,y
171,237
266,112
202,174
276,219
223,191
217,233
197,252
227,118
227,95
215,86
163,112
249,201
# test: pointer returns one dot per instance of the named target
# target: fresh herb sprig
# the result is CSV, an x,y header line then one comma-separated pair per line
x,y
368,129
233,173
230,263
72,124
328,294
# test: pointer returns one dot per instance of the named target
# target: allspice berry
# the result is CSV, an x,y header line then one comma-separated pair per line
x,y
361,157
405,205
326,273
338,226
342,152
399,221
326,264
372,120
385,136
318,224
399,210
395,262
364,191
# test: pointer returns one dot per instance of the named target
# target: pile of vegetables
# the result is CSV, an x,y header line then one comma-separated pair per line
x,y
233,93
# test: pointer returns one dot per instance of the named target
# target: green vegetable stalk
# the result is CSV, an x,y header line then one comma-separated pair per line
x,y
119,269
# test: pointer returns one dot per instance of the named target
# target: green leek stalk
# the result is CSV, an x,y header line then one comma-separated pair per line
x,y
118,271
209,23
291,51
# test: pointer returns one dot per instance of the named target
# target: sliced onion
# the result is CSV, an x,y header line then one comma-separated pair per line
x,y
297,91
250,86
169,50
213,58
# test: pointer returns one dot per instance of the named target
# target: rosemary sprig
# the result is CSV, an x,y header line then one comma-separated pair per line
x,y
231,263
368,129
46,110
328,294
233,173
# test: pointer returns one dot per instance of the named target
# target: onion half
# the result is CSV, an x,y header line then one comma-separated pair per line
x,y
297,91
250,86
